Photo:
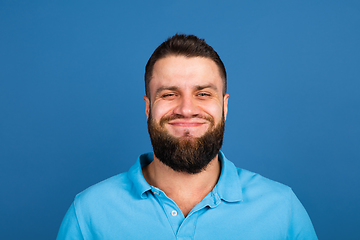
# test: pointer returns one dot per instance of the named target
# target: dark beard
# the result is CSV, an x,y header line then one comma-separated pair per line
x,y
186,154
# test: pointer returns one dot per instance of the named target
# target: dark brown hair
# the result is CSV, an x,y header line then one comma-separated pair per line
x,y
184,45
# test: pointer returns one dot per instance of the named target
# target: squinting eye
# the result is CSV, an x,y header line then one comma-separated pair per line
x,y
203,94
168,95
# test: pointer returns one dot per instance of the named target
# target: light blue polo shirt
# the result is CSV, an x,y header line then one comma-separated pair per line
x,y
243,205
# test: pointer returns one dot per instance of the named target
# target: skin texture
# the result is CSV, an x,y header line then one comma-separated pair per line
x,y
186,101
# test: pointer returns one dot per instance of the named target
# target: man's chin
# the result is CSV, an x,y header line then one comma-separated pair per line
x,y
186,134
187,141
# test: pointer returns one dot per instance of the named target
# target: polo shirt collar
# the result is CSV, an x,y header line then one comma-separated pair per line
x,y
140,186
228,187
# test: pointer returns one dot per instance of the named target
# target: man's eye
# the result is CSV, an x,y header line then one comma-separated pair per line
x,y
168,95
203,94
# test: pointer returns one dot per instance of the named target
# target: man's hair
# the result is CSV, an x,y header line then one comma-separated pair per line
x,y
183,45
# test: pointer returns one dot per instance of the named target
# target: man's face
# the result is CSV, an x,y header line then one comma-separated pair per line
x,y
186,112
186,95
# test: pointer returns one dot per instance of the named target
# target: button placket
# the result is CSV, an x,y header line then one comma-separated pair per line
x,y
170,208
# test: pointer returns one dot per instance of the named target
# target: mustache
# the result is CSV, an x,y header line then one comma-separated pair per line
x,y
166,119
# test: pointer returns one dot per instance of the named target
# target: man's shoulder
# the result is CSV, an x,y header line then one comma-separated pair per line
x,y
251,178
118,184
254,185
251,181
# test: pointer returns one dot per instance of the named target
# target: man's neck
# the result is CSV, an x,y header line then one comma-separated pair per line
x,y
185,189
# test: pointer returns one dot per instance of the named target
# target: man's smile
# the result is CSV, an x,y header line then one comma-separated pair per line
x,y
187,123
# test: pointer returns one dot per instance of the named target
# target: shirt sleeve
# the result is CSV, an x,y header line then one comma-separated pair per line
x,y
70,229
300,227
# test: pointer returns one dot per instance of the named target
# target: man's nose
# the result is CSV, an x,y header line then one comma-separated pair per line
x,y
187,107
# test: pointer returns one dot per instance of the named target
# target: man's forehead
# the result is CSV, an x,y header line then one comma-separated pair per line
x,y
198,70
182,60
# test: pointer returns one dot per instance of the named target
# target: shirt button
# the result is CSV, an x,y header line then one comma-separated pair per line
x,y
156,193
174,213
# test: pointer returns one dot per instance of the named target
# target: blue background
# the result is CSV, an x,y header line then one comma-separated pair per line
x,y
72,110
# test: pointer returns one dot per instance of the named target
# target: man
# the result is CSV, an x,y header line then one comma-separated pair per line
x,y
186,189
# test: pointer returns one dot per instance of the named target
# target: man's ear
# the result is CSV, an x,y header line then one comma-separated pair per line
x,y
147,106
226,99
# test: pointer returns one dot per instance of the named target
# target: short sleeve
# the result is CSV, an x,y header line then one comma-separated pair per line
x,y
70,229
300,227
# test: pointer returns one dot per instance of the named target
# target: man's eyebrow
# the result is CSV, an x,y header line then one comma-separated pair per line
x,y
211,86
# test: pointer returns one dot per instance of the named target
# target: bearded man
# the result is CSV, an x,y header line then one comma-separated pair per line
x,y
186,188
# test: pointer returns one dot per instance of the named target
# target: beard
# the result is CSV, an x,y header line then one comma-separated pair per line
x,y
185,154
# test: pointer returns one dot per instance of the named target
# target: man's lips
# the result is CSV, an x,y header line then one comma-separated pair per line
x,y
182,123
